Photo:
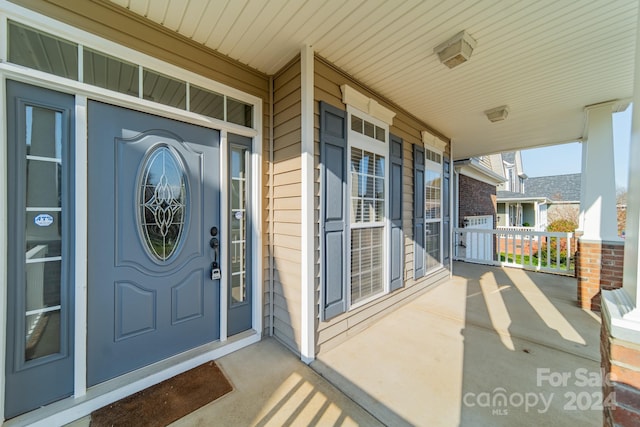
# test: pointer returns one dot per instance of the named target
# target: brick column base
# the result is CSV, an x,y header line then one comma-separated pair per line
x,y
599,265
621,379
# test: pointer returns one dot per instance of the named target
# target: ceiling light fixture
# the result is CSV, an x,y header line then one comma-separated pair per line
x,y
497,114
456,50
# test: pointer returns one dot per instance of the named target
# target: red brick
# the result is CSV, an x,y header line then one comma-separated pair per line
x,y
624,417
624,395
625,375
626,355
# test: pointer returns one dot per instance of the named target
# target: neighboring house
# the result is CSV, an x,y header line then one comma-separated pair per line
x,y
562,193
494,191
514,208
475,183
535,202
475,188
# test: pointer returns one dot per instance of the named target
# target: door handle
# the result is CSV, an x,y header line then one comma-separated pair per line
x,y
215,244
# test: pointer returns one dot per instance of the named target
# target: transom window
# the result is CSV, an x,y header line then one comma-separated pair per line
x,y
45,52
367,128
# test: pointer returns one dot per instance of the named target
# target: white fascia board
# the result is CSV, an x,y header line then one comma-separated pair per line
x,y
522,199
473,169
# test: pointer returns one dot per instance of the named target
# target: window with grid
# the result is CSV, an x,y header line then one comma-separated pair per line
x,y
367,224
433,209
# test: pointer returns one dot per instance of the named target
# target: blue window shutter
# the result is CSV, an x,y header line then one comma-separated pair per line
x,y
396,252
334,228
418,211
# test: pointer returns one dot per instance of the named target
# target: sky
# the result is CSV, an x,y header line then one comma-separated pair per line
x,y
566,158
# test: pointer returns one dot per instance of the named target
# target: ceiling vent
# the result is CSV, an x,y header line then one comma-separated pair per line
x,y
456,50
497,114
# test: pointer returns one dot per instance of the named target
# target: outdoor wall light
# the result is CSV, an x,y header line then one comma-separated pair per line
x,y
497,114
456,50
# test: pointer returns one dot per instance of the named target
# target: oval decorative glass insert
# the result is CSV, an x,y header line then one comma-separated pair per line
x,y
162,202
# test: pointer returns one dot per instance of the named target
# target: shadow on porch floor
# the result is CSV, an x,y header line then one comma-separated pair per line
x,y
491,347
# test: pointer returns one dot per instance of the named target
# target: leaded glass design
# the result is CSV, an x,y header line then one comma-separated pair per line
x,y
163,202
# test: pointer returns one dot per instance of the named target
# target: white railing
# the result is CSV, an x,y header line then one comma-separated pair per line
x,y
514,228
551,252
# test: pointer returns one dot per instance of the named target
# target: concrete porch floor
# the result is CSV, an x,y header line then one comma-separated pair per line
x,y
490,347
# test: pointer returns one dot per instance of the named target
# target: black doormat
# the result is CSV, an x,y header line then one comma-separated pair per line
x,y
167,401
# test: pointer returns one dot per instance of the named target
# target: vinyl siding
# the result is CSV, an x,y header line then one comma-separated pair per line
x,y
327,80
287,199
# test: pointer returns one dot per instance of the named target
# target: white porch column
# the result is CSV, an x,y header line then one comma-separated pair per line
x,y
631,272
620,336
598,219
308,316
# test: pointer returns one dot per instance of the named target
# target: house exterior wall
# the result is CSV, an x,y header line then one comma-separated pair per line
x,y
477,198
599,266
327,81
287,204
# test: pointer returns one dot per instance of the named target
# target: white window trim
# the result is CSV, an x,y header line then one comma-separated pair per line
x,y
372,145
437,147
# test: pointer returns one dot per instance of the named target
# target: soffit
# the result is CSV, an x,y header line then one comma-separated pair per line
x,y
545,59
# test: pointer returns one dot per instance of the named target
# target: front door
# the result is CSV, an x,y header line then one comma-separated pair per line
x,y
153,210
39,353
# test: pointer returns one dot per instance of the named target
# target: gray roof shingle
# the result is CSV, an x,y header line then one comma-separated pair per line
x,y
557,188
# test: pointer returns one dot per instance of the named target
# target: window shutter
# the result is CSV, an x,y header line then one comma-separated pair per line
x,y
396,252
418,211
334,229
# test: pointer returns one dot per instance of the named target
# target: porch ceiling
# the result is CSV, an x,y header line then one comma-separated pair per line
x,y
545,59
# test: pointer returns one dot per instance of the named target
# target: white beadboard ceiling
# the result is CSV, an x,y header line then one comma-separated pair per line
x,y
545,59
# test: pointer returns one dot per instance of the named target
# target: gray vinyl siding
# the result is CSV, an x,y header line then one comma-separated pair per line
x,y
287,206
327,80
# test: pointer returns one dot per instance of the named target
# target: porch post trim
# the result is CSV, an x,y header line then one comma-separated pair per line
x,y
81,232
307,350
3,244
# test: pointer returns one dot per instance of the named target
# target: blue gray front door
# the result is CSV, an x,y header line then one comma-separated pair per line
x,y
153,210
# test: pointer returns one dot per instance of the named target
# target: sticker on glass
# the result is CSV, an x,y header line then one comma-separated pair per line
x,y
238,215
43,220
